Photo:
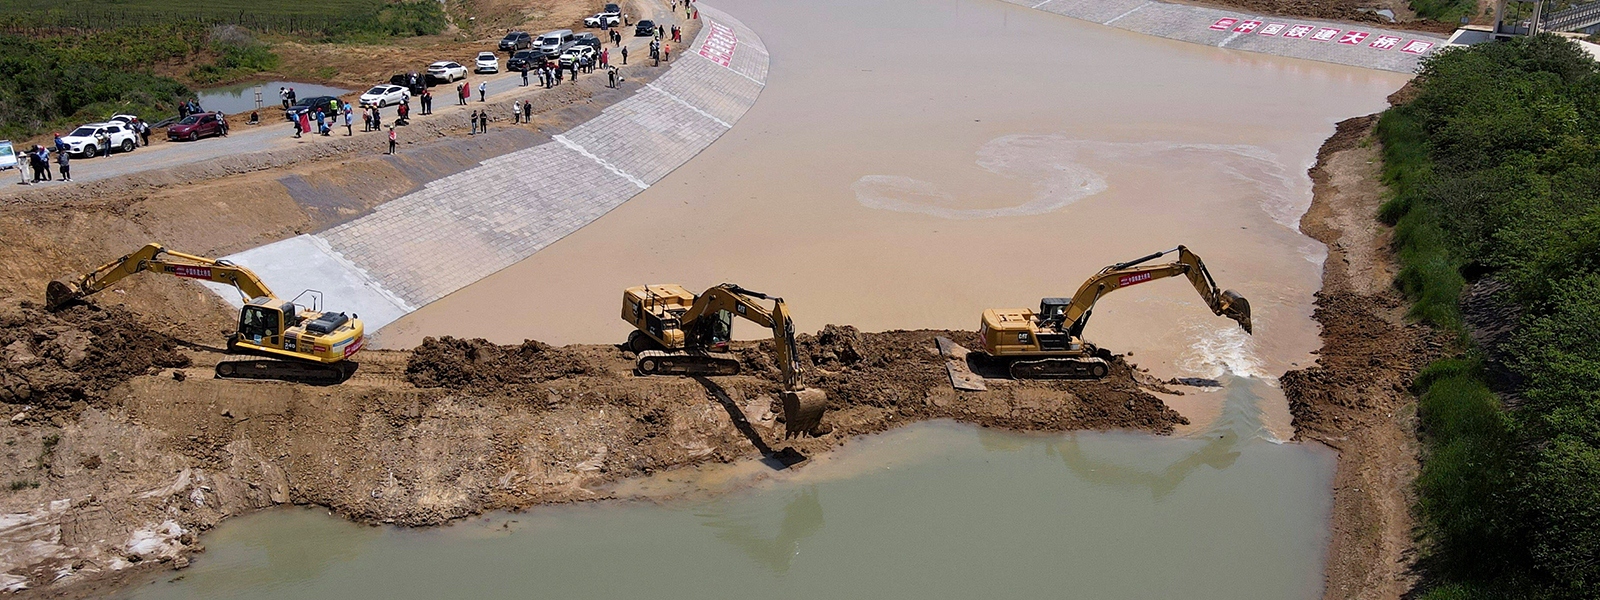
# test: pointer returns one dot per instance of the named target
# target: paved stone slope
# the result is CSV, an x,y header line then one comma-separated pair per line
x,y
463,227
1342,43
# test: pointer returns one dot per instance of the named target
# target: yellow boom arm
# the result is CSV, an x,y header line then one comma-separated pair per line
x,y
158,259
742,302
1225,303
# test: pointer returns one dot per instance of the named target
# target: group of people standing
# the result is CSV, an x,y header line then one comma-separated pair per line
x,y
39,161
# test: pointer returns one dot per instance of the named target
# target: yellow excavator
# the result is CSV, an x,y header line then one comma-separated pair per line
x,y
1048,344
309,346
679,333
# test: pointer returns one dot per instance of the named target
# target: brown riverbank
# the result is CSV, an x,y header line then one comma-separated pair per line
x,y
1356,398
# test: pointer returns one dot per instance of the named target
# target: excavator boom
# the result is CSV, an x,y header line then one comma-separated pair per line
x,y
155,258
1224,303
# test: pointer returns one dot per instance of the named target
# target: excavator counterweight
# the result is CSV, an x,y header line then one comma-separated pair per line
x,y
1049,343
677,332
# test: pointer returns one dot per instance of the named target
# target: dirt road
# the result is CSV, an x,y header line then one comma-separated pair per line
x,y
277,134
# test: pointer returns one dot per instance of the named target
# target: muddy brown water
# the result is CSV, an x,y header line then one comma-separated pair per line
x,y
909,164
912,163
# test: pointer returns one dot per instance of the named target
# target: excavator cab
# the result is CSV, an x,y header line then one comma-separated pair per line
x,y
1052,311
264,320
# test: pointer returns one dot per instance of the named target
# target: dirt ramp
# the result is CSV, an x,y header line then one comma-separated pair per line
x,y
55,360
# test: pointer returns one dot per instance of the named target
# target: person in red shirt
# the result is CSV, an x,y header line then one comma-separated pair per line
x,y
392,150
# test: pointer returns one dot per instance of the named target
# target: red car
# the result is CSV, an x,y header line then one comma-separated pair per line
x,y
194,127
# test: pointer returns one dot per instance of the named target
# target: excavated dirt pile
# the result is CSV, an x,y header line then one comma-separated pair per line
x,y
902,372
54,360
477,364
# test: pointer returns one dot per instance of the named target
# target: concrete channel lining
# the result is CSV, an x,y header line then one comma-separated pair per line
x,y
1356,45
462,227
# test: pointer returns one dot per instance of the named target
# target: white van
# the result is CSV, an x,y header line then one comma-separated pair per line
x,y
555,41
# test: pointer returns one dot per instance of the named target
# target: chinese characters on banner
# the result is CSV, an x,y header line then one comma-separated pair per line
x,y
1320,34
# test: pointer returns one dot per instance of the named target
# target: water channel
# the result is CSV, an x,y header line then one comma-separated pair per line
x,y
241,97
909,164
935,510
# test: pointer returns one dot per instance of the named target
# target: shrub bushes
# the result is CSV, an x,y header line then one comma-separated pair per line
x,y
1495,169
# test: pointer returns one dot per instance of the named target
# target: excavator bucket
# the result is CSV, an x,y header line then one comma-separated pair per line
x,y
1237,308
59,293
802,411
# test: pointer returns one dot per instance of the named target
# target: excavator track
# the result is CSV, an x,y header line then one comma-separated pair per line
x,y
309,373
657,362
1060,368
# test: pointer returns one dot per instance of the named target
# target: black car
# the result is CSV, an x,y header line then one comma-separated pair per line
x,y
612,8
588,39
526,59
413,82
516,40
644,28
309,104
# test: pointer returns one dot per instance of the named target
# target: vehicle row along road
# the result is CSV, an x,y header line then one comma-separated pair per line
x,y
275,132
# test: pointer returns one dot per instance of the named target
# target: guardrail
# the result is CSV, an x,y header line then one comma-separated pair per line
x,y
1581,16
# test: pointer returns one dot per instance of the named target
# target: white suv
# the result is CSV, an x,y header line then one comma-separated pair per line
x,y
605,18
446,71
82,141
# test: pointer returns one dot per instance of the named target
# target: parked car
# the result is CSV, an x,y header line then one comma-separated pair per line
x,y
582,54
308,104
446,71
194,127
124,119
516,40
488,62
82,140
603,19
644,28
525,59
413,82
554,42
385,95
613,8
587,39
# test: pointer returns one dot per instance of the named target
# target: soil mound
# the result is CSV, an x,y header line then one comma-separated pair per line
x,y
477,364
55,359
902,372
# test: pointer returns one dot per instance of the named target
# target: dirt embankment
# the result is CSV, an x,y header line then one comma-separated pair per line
x,y
118,469
1356,398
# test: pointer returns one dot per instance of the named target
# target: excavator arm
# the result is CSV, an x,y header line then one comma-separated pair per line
x,y
157,259
802,407
1225,303
742,302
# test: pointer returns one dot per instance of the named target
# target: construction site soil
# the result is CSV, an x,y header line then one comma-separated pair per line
x,y
1356,398
123,447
